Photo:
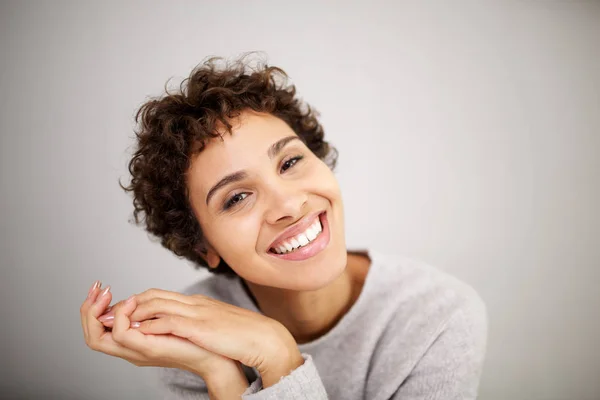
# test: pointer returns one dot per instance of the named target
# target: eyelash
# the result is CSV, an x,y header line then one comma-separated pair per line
x,y
231,203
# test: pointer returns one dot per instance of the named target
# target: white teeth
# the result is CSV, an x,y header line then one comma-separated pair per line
x,y
300,240
311,234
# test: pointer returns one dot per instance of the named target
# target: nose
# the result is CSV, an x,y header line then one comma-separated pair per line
x,y
286,201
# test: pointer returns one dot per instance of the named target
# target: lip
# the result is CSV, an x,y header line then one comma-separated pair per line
x,y
311,249
295,230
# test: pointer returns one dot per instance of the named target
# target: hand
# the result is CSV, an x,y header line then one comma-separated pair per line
x,y
232,332
147,349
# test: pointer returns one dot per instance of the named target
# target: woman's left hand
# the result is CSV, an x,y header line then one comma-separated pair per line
x,y
233,332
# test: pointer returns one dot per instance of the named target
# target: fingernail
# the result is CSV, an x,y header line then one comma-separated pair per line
x,y
106,317
103,293
135,324
94,286
130,299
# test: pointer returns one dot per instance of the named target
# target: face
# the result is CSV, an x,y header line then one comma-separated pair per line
x,y
260,192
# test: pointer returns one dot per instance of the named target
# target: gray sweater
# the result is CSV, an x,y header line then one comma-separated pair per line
x,y
415,332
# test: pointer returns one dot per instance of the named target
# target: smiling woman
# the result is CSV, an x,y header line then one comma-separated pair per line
x,y
232,172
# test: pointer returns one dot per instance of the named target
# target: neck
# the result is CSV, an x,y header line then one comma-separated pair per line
x,y
310,315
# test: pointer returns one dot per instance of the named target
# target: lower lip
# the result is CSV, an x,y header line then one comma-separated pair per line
x,y
311,249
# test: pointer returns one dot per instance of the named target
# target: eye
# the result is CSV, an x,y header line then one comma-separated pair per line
x,y
290,163
235,199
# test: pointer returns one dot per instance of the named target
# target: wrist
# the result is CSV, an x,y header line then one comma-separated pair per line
x,y
288,361
283,356
226,382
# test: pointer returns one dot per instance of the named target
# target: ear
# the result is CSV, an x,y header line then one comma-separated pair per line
x,y
208,254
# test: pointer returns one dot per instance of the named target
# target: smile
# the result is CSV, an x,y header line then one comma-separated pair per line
x,y
306,244
300,240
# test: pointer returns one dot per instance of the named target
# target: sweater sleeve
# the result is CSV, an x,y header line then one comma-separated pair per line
x,y
451,368
303,383
178,384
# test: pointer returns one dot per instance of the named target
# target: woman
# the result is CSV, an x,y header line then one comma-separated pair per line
x,y
232,173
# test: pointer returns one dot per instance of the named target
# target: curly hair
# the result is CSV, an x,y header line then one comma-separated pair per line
x,y
173,128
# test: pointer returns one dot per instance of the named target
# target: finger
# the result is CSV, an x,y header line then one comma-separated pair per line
x,y
201,335
154,308
94,327
122,332
108,316
102,300
108,320
143,297
225,344
170,324
160,307
99,338
210,335
109,312
108,345
92,293
163,294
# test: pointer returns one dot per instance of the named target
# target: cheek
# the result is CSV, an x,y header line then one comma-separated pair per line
x,y
236,237
327,183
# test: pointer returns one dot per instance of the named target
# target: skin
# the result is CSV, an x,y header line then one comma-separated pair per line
x,y
307,297
299,300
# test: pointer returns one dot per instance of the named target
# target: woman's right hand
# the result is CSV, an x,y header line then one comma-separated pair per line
x,y
150,350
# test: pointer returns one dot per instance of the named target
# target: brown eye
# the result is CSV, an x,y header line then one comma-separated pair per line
x,y
233,200
290,163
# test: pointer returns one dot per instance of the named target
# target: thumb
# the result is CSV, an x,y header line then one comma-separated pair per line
x,y
122,314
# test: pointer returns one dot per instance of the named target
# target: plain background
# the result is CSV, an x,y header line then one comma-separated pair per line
x,y
468,132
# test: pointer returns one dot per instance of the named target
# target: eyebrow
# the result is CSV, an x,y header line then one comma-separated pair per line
x,y
241,175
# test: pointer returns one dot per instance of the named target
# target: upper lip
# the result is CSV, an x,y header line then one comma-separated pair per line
x,y
296,229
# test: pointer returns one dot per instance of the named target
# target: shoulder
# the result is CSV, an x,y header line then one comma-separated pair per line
x,y
417,287
422,303
435,323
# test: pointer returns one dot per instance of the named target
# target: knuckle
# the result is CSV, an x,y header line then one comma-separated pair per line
x,y
92,344
200,297
157,303
152,292
118,336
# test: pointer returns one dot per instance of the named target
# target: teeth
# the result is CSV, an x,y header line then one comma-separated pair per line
x,y
311,233
300,240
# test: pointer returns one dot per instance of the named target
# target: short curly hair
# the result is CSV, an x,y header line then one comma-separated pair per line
x,y
174,127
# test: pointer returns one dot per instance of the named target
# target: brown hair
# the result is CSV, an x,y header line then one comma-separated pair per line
x,y
171,129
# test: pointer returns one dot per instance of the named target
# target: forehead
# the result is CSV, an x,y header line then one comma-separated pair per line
x,y
251,136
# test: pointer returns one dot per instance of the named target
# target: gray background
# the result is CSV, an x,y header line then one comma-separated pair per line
x,y
468,133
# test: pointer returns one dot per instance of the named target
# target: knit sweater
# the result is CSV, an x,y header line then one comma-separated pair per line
x,y
414,332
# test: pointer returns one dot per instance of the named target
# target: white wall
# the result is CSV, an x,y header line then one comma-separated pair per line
x,y
468,134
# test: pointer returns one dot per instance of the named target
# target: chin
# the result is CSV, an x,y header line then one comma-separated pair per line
x,y
317,274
